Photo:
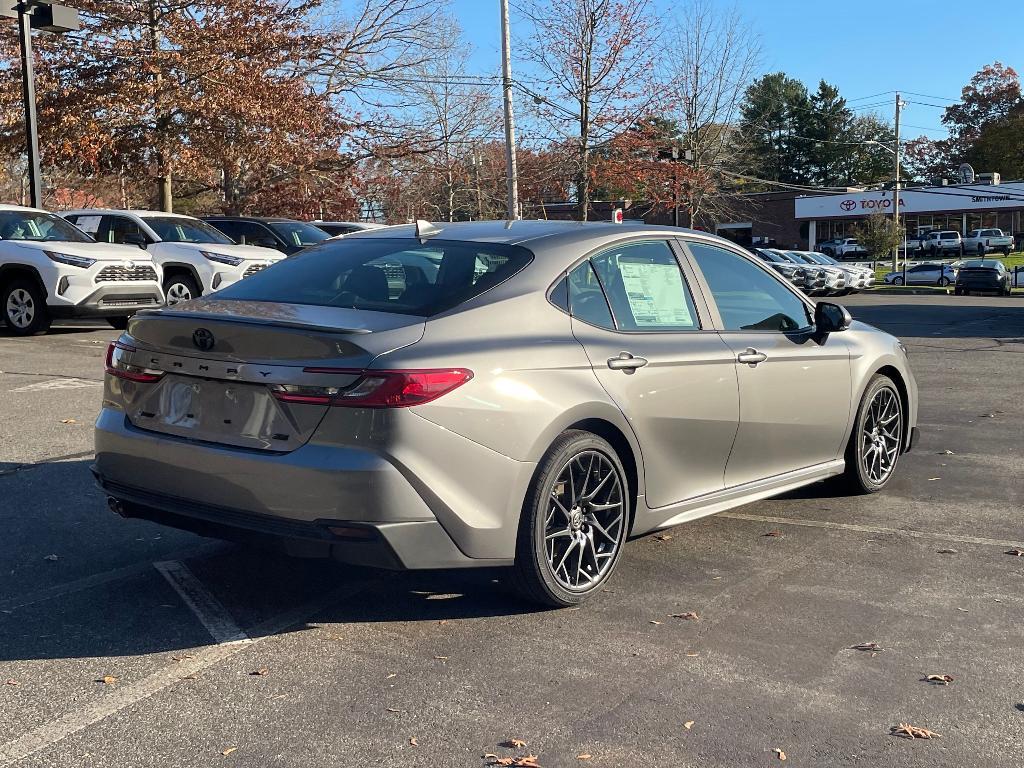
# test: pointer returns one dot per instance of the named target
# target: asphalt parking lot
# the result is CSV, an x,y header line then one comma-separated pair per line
x,y
218,655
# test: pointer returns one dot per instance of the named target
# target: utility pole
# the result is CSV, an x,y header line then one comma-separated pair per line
x,y
165,179
28,91
510,127
896,194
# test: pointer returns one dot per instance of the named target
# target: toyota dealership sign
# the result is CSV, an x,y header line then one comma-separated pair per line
x,y
976,197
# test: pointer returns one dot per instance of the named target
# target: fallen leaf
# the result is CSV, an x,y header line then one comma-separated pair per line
x,y
652,621
392,709
69,421
488,756
1014,552
691,655
441,658
940,679
181,658
513,743
947,552
688,615
663,536
963,610
583,756
908,731
774,534
107,680
946,453
51,557
443,621
414,742
229,750
779,753
873,647
190,677
393,674
260,672
689,724
934,478
11,682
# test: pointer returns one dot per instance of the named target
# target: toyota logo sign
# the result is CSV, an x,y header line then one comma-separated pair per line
x,y
203,339
848,205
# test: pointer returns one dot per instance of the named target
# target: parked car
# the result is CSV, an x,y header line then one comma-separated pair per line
x,y
845,248
923,274
520,406
982,241
941,243
983,276
195,258
855,278
49,269
338,228
834,283
797,275
285,235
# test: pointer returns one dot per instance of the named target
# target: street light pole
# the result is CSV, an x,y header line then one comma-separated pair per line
x,y
896,194
28,91
511,172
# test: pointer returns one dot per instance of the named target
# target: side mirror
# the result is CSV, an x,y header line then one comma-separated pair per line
x,y
135,238
830,318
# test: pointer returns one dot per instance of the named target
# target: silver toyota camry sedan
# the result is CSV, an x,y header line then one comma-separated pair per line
x,y
525,394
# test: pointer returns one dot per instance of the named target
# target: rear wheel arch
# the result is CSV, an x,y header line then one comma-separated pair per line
x,y
631,463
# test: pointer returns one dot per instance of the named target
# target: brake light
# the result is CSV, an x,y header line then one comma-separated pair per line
x,y
116,366
377,389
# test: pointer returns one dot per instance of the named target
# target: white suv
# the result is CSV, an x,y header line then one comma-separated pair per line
x,y
49,269
196,258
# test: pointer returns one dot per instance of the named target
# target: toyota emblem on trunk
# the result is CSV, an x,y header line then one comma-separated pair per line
x,y
203,339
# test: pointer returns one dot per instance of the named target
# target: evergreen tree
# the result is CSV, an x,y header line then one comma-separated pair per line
x,y
768,124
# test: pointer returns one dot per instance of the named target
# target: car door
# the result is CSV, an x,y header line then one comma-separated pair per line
x,y
794,389
652,349
922,274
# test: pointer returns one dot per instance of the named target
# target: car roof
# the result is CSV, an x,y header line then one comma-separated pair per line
x,y
140,212
9,207
523,231
263,219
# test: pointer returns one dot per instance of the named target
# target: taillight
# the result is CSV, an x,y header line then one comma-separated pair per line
x,y
116,365
377,389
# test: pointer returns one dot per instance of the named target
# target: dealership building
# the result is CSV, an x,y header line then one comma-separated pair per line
x,y
801,220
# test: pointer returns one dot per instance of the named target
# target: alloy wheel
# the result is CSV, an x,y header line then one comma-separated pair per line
x,y
178,292
881,435
584,521
21,308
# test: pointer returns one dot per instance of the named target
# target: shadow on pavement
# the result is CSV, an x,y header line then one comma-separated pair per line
x,y
998,320
61,540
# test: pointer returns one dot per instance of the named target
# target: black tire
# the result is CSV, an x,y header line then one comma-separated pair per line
x,y
858,477
1006,251
120,322
943,282
981,250
932,251
534,574
958,291
897,280
177,286
24,309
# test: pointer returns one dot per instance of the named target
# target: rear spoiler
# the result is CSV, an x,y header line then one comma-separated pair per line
x,y
252,321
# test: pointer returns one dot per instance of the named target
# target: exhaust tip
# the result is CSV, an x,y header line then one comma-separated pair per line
x,y
115,506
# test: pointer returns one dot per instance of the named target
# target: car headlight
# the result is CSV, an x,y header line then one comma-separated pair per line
x,y
223,258
72,261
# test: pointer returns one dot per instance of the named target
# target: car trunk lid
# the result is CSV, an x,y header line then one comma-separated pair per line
x,y
221,362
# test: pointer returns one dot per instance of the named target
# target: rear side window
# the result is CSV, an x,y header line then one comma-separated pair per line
x,y
385,275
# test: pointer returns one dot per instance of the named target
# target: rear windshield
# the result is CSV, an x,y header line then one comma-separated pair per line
x,y
385,275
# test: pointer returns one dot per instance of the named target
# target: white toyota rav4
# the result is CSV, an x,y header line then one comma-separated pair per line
x,y
196,258
50,269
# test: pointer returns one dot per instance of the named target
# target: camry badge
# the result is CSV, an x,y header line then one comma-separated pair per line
x,y
203,339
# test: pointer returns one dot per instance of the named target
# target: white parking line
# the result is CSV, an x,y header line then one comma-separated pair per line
x,y
873,529
121,697
207,608
43,386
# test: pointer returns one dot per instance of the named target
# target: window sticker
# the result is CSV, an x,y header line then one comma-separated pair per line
x,y
90,224
656,294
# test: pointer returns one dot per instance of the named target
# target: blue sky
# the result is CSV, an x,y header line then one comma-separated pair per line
x,y
864,47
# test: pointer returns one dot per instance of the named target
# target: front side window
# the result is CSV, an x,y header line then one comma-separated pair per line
x,y
179,229
645,288
387,275
119,226
748,297
40,227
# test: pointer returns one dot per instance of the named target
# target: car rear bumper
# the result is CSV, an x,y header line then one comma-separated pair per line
x,y
984,286
415,514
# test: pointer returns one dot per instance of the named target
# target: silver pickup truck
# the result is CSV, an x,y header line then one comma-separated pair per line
x,y
982,241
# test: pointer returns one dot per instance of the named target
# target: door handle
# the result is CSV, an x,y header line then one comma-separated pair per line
x,y
751,357
626,362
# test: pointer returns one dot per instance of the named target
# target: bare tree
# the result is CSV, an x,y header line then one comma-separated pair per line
x,y
709,60
594,60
